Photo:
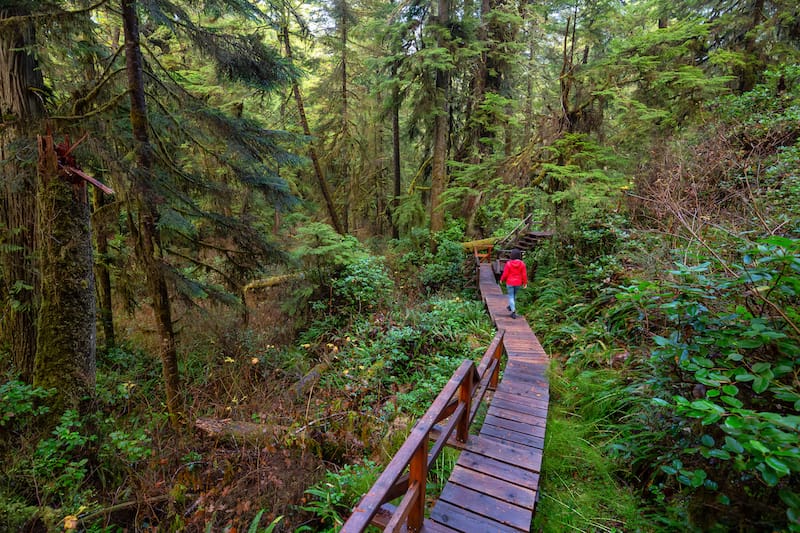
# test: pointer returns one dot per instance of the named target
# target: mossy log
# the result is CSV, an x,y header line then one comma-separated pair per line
x,y
479,244
272,281
309,380
236,430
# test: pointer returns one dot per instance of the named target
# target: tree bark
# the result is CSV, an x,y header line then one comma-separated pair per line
x,y
21,109
441,128
347,176
396,151
145,205
323,184
103,277
65,348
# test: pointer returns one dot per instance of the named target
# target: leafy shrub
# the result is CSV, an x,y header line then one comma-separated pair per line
x,y
730,358
21,404
363,284
59,467
444,269
334,497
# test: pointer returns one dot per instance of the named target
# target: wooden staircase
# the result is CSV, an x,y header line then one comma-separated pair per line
x,y
522,237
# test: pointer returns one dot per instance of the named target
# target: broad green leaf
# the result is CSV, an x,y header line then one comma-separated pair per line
x,y
730,390
760,384
758,446
732,445
777,465
792,499
759,368
733,402
719,454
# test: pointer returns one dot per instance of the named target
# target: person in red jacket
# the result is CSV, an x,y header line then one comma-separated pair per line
x,y
515,275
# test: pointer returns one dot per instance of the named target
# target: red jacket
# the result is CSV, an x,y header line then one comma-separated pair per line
x,y
515,273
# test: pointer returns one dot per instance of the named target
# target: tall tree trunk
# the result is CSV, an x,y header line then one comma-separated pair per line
x,y
103,277
21,108
347,176
441,128
753,65
565,79
528,131
65,348
148,239
395,151
323,184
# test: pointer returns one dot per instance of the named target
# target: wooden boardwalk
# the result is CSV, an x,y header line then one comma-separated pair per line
x,y
495,481
494,485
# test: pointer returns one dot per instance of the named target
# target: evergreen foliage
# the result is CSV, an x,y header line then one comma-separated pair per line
x,y
659,141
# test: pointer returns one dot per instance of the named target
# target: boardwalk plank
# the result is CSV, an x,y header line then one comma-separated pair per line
x,y
519,407
498,432
514,425
522,456
465,521
534,420
511,473
522,400
487,506
497,488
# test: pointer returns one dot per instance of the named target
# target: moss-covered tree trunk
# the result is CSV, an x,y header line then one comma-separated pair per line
x,y
21,109
65,348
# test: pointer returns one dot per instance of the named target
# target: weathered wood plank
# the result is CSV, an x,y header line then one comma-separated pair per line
x,y
495,487
521,387
519,455
513,425
499,469
521,399
430,526
518,407
533,420
485,505
465,521
512,436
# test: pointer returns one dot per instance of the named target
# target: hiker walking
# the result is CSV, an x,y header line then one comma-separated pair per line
x,y
515,275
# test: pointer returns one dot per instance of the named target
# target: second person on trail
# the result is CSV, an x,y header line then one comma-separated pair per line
x,y
515,275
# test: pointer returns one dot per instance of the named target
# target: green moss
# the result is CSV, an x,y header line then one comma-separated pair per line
x,y
65,352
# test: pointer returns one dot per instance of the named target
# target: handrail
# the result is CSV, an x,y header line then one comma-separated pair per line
x,y
458,401
522,226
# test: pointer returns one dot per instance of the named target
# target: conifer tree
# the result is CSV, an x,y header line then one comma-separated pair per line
x,y
22,93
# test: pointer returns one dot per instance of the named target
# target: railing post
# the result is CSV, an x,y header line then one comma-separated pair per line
x,y
497,356
418,474
465,398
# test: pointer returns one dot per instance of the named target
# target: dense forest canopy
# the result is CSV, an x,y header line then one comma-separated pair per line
x,y
255,210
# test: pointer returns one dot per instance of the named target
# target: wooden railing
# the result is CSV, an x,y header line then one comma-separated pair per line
x,y
522,227
478,258
406,474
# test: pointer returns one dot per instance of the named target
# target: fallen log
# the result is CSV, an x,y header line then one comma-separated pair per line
x,y
308,381
479,244
237,430
271,281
